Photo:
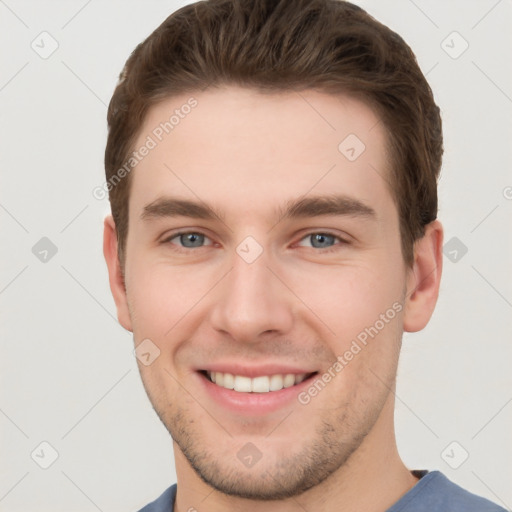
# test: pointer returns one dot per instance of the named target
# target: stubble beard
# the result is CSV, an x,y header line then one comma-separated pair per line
x,y
334,440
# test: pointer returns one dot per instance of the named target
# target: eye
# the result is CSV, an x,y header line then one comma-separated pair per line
x,y
188,240
320,240
194,240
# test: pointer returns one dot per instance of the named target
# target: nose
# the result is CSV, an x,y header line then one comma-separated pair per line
x,y
251,302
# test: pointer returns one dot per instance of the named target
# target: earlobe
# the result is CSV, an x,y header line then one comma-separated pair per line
x,y
117,285
424,278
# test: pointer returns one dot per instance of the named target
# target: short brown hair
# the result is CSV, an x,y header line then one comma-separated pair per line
x,y
286,45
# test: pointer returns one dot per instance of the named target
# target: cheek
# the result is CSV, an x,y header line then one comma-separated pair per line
x,y
347,298
363,307
341,300
160,295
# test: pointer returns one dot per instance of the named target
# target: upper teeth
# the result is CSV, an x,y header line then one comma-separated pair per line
x,y
262,384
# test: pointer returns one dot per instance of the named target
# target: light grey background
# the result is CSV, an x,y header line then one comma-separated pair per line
x,y
67,370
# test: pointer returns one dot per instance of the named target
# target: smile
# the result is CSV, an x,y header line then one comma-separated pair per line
x,y
261,384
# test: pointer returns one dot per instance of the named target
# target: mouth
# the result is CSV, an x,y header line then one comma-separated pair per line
x,y
253,391
260,384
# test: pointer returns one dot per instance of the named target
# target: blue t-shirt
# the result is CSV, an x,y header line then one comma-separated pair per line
x,y
433,493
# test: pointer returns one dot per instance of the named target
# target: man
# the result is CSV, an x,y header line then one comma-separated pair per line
x,y
272,169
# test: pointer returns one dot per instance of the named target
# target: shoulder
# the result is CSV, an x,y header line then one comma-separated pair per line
x,y
164,503
436,493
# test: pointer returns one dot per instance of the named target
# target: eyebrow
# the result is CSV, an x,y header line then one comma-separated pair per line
x,y
313,206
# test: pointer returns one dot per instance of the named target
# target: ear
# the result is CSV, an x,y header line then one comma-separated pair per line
x,y
424,278
115,275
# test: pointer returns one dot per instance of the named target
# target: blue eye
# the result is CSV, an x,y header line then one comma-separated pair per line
x,y
321,240
196,240
189,240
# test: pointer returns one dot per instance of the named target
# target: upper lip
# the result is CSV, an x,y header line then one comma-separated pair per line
x,y
256,371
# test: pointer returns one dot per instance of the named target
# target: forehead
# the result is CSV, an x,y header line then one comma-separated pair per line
x,y
237,148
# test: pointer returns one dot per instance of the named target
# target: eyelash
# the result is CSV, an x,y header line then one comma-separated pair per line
x,y
320,250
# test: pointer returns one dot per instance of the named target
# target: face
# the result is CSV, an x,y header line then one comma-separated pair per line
x,y
263,253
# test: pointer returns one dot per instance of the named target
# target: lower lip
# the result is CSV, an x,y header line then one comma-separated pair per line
x,y
253,404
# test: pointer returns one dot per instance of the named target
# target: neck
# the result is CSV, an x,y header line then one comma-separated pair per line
x,y
373,479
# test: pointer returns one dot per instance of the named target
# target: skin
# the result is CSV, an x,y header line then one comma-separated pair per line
x,y
246,154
